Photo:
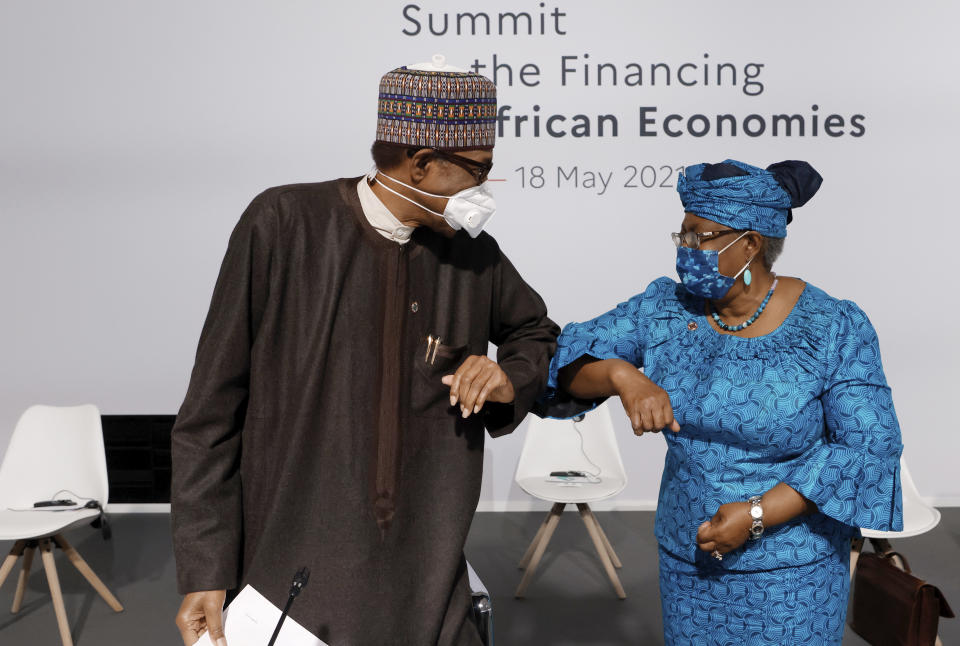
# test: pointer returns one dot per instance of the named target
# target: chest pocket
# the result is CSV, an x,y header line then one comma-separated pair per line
x,y
429,397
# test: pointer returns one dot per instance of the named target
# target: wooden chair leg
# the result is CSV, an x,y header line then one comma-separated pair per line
x,y
88,573
588,520
548,530
856,546
11,560
606,541
22,581
536,539
46,555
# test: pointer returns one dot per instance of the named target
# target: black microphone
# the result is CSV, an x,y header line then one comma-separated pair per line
x,y
299,583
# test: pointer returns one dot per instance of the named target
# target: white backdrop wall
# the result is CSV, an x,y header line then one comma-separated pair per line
x,y
133,134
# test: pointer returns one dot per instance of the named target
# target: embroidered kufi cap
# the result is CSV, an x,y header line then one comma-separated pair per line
x,y
435,105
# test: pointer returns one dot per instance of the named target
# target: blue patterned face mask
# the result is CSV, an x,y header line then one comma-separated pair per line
x,y
699,271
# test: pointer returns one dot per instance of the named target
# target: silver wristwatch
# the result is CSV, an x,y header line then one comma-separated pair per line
x,y
756,513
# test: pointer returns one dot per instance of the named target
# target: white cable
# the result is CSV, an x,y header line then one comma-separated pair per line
x,y
593,477
54,496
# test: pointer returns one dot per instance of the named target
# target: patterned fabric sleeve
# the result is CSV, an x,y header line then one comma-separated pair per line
x,y
853,472
617,334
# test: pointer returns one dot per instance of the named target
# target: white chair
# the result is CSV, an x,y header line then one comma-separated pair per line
x,y
587,445
918,516
54,451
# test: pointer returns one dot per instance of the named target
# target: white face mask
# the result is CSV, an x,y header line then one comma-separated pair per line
x,y
469,209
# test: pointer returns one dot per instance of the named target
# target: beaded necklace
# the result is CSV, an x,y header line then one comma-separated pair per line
x,y
749,321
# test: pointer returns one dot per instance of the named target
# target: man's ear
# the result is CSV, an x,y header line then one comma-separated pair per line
x,y
420,163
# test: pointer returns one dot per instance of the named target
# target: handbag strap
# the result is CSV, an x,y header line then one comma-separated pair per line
x,y
903,559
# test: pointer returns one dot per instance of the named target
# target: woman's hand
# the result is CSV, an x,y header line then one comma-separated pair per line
x,y
730,526
727,530
646,404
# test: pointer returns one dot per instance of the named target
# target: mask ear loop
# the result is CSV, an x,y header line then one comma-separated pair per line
x,y
412,188
404,197
731,244
747,277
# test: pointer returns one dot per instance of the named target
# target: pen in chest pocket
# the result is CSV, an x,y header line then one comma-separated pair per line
x,y
432,344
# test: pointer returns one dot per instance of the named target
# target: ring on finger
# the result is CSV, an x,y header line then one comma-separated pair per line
x,y
717,555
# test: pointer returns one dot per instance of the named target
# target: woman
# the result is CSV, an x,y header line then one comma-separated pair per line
x,y
784,440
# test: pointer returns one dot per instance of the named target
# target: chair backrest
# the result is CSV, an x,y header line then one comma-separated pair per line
x,y
554,445
918,516
54,448
908,487
917,513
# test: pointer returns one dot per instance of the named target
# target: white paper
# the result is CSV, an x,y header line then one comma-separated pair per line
x,y
250,619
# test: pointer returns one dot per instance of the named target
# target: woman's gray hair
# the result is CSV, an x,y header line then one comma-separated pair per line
x,y
772,249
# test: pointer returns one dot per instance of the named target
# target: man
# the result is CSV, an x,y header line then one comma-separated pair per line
x,y
336,410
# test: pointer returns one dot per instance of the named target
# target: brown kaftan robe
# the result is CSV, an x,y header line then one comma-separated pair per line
x,y
314,432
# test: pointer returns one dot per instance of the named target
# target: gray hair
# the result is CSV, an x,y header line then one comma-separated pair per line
x,y
772,249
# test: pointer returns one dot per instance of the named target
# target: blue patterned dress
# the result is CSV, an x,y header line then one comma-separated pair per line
x,y
807,405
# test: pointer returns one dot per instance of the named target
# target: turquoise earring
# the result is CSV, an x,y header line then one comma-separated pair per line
x,y
747,276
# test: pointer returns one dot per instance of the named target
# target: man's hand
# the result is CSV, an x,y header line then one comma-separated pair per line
x,y
477,381
727,530
646,404
199,612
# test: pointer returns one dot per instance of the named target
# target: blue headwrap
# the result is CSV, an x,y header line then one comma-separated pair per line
x,y
757,200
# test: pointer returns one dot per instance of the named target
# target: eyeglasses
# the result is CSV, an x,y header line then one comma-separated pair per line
x,y
479,170
693,239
